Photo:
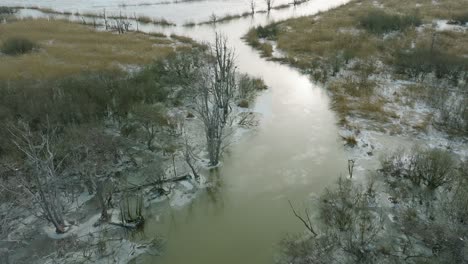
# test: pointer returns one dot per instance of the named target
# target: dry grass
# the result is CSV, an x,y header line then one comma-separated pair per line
x,y
338,31
67,48
222,19
350,140
325,44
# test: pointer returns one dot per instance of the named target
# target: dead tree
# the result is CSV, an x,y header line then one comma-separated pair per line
x,y
44,180
121,24
213,19
252,6
106,21
94,157
269,4
216,91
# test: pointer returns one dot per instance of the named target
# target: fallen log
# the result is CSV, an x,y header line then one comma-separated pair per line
x,y
139,187
137,223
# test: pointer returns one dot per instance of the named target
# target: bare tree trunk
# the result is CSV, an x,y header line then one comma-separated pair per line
x,y
269,4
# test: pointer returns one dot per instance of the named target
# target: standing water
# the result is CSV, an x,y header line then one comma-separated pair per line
x,y
293,154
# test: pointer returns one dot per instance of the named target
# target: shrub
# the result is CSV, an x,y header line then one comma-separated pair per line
x,y
459,19
338,205
252,38
144,19
453,114
17,46
266,49
5,10
268,32
379,22
435,167
243,103
248,88
432,167
259,84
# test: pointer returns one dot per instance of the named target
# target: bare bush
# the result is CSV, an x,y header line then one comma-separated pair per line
x,y
433,168
338,205
453,114
318,250
351,227
43,178
95,155
152,119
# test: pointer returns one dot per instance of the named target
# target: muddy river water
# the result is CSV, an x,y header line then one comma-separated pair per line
x,y
293,154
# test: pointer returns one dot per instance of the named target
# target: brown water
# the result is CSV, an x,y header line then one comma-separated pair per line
x,y
293,155
295,152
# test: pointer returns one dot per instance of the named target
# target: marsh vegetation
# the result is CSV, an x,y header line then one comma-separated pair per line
x,y
106,122
397,70
354,49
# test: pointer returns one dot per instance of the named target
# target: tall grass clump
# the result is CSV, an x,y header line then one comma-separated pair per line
x,y
17,46
267,32
379,22
420,62
252,38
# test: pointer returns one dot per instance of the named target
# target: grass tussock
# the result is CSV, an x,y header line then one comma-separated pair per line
x,y
182,39
350,141
17,46
144,19
68,48
379,22
355,31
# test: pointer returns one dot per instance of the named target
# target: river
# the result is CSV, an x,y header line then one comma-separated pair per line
x,y
294,154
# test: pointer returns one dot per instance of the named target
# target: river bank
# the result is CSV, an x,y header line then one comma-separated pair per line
x,y
396,75
373,88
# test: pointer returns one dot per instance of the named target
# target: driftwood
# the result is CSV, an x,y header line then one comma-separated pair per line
x,y
139,222
159,182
